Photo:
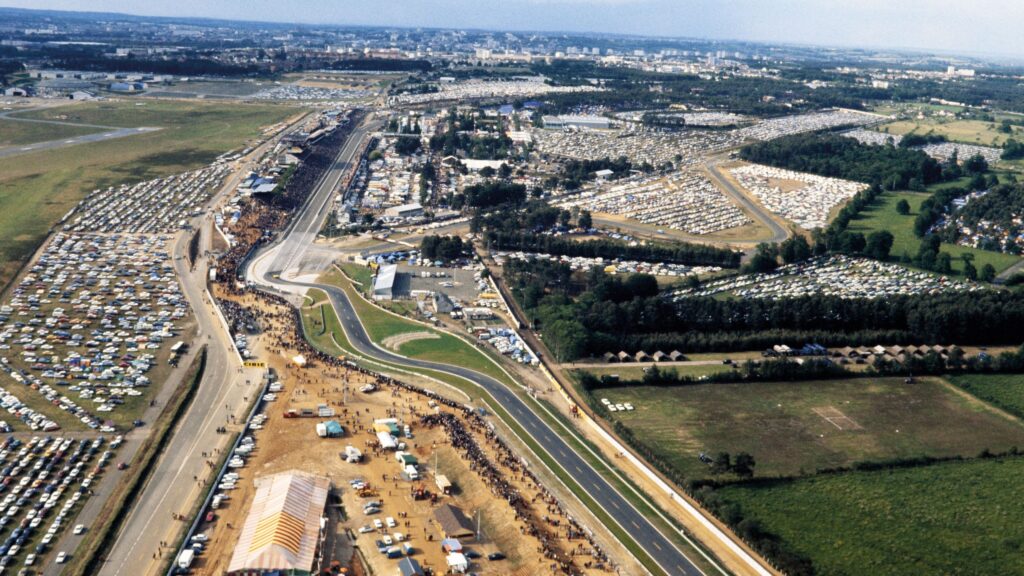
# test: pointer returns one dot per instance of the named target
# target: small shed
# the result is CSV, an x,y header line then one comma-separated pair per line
x,y
659,356
676,356
624,357
642,356
609,357
449,545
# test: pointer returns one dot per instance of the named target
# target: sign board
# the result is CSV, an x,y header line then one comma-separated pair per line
x,y
254,364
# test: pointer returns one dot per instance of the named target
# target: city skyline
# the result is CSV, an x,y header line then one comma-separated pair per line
x,y
920,25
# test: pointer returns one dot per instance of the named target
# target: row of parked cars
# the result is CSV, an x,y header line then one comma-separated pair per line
x,y
43,477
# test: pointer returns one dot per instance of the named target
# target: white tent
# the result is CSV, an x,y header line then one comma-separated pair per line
x,y
457,562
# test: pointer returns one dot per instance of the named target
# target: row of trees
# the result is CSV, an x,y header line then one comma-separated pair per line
x,y
446,248
490,194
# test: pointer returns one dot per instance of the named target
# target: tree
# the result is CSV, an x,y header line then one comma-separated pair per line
x,y
970,272
903,207
879,244
976,164
487,172
988,273
722,463
744,465
586,221
944,263
795,249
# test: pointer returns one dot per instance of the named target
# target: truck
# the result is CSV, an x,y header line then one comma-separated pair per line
x,y
185,559
352,454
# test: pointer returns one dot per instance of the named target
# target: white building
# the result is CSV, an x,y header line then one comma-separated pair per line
x,y
384,283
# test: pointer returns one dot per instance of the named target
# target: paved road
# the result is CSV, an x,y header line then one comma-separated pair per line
x,y
778,232
108,133
277,262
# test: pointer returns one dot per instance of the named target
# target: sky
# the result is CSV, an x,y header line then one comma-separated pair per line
x,y
958,26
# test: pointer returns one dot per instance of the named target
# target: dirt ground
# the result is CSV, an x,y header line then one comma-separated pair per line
x,y
292,444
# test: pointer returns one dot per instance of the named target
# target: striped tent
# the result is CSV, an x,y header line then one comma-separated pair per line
x,y
283,525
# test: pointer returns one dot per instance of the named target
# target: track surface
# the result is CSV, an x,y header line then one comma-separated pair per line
x,y
281,261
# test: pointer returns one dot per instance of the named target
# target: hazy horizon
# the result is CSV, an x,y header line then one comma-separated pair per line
x,y
985,27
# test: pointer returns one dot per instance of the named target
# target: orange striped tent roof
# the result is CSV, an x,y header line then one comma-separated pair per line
x,y
280,532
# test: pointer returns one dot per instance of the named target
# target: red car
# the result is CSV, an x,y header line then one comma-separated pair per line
x,y
210,516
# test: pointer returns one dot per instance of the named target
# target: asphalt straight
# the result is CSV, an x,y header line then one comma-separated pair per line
x,y
283,258
108,133
779,233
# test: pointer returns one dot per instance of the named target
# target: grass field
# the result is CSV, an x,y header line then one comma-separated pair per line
x,y
882,215
36,189
1005,391
949,518
360,274
446,348
14,133
965,131
784,425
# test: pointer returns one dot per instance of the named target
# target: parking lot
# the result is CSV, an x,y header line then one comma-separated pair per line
x,y
943,151
841,276
657,148
87,331
611,266
297,93
806,199
151,207
44,482
686,201
470,89
773,128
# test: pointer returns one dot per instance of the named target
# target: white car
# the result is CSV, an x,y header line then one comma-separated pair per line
x,y
79,530
391,522
62,557
377,523
366,529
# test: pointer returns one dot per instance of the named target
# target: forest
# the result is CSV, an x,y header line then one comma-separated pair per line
x,y
836,156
